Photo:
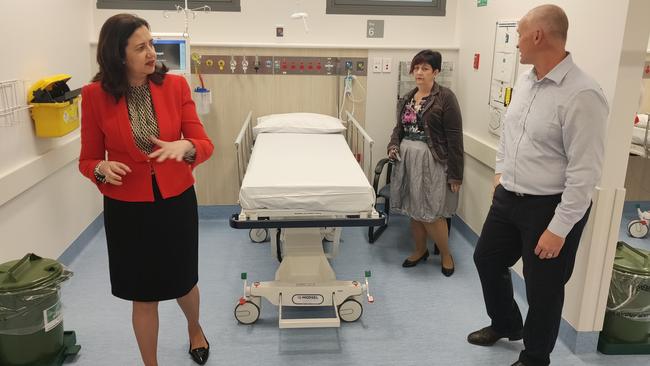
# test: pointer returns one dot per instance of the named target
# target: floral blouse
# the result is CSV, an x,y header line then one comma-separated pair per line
x,y
411,119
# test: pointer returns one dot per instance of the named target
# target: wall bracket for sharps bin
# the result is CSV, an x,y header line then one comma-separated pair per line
x,y
626,329
55,108
31,319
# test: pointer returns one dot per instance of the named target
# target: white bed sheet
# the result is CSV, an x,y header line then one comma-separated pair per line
x,y
305,172
638,136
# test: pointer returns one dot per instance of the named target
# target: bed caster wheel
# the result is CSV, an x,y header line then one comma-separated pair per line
x,y
637,229
258,235
350,310
246,312
328,233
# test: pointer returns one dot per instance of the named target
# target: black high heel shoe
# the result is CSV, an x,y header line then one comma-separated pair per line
x,y
408,263
448,271
436,251
200,355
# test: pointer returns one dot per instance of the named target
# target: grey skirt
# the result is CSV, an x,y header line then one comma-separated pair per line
x,y
418,185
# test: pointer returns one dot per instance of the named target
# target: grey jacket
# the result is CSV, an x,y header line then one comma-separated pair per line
x,y
442,124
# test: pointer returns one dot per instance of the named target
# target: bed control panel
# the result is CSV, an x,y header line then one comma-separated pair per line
x,y
281,65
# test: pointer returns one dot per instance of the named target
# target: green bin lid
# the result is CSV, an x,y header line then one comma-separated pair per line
x,y
632,260
28,273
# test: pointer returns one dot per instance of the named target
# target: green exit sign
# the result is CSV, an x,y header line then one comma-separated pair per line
x,y
481,2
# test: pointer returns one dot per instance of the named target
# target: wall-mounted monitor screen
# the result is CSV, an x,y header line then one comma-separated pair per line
x,y
173,50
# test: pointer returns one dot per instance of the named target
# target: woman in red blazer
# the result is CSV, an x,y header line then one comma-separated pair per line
x,y
140,140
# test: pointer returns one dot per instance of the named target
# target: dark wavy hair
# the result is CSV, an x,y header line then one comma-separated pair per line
x,y
111,54
433,58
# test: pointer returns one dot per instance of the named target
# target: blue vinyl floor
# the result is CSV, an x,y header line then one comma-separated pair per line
x,y
419,316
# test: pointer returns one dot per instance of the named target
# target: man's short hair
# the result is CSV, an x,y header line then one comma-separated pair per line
x,y
553,19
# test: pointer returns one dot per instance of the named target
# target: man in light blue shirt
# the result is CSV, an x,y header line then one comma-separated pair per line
x,y
549,161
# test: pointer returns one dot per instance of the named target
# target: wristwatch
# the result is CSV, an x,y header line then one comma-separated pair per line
x,y
101,178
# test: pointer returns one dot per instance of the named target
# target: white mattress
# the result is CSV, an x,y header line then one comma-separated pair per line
x,y
637,150
305,172
638,135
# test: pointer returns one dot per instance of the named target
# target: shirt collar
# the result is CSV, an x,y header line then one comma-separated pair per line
x,y
558,73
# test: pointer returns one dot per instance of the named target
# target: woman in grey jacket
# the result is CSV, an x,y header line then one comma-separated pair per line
x,y
427,149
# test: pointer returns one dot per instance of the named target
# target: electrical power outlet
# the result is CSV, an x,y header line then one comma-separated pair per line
x,y
376,65
386,64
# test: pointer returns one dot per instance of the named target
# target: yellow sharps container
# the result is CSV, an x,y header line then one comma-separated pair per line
x,y
55,109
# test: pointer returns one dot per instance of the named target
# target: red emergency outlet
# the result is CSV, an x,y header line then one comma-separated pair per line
x,y
477,59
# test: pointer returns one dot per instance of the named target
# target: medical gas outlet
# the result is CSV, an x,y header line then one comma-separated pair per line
x,y
244,65
233,64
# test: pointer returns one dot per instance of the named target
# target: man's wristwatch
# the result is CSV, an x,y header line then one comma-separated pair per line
x,y
101,178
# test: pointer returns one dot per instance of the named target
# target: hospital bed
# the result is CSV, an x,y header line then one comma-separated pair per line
x,y
299,188
640,145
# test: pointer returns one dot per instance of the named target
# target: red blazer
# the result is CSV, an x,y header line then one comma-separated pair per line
x,y
105,128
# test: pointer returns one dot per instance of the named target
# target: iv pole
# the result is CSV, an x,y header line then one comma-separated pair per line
x,y
187,12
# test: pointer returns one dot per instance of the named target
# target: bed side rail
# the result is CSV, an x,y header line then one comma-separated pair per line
x,y
244,147
360,143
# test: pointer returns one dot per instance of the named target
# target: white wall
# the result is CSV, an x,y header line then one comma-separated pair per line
x,y
592,25
256,22
44,203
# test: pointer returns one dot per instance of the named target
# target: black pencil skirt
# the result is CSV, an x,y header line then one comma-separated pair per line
x,y
152,246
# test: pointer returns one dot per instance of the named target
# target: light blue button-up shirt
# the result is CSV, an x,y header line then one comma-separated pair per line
x,y
553,140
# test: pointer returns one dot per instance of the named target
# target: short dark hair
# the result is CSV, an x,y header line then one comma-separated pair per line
x,y
433,58
111,54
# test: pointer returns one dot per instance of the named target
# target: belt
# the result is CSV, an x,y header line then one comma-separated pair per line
x,y
519,194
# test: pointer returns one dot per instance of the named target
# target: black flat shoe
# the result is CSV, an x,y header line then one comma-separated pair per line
x,y
407,263
488,336
200,355
448,271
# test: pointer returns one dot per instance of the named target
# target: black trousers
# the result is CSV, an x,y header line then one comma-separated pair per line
x,y
511,231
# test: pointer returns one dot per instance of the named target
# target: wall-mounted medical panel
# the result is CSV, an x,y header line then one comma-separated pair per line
x,y
228,64
289,65
355,65
280,65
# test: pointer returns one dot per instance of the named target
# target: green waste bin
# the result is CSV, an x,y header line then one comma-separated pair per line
x,y
626,329
31,318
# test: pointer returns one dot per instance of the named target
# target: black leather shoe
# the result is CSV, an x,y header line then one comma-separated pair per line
x,y
408,263
488,336
518,363
436,251
448,271
200,355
